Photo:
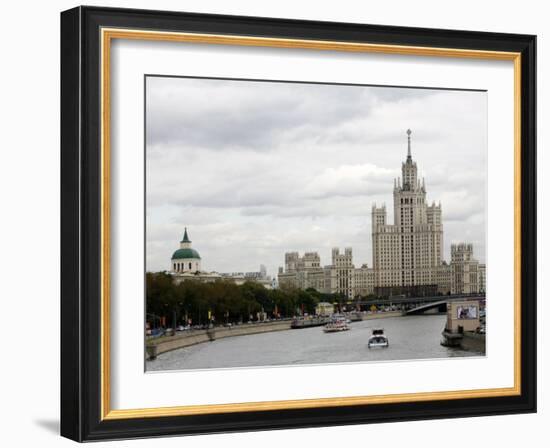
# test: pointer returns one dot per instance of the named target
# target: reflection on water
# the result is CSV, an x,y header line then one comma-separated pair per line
x,y
410,337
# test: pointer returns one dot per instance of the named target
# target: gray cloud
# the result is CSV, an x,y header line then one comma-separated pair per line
x,y
176,114
259,168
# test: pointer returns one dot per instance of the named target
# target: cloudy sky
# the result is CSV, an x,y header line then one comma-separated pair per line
x,y
256,169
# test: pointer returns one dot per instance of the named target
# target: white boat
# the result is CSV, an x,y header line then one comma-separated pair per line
x,y
337,323
378,339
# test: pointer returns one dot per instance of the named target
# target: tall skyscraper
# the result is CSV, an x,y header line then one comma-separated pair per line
x,y
407,253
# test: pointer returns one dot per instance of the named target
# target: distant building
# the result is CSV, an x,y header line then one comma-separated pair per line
x,y
464,268
324,309
258,275
407,255
309,262
185,259
343,272
364,281
444,278
340,277
482,277
302,272
185,265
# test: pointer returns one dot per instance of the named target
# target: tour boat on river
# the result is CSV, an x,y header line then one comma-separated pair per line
x,y
378,339
309,321
337,323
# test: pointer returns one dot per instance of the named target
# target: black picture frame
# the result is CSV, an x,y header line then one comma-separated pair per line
x,y
81,224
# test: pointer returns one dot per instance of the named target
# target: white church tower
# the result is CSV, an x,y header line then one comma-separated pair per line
x,y
185,259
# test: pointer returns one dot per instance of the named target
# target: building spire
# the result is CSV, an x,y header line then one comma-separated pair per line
x,y
185,243
185,237
409,132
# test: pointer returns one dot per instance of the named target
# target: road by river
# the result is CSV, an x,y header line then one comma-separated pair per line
x,y
411,337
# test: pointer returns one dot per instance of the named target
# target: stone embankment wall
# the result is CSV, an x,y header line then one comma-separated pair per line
x,y
473,342
382,315
155,347
187,338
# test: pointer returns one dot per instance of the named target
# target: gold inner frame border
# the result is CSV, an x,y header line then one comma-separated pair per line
x,y
107,35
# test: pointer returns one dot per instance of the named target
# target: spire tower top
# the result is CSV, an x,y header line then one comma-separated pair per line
x,y
185,237
409,132
185,243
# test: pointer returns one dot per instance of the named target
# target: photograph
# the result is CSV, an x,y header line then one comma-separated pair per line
x,y
293,221
303,223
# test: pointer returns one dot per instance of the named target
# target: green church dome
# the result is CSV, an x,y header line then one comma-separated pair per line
x,y
185,253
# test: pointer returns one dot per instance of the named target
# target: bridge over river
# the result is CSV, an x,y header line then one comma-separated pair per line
x,y
418,305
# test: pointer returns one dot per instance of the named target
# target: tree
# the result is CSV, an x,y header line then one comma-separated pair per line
x,y
256,292
226,301
308,301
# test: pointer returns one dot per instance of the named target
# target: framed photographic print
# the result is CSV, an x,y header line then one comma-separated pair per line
x,y
272,223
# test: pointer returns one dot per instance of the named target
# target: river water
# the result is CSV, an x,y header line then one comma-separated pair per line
x,y
410,337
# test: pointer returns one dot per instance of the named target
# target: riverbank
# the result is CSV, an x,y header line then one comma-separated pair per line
x,y
468,340
411,337
155,347
382,315
473,342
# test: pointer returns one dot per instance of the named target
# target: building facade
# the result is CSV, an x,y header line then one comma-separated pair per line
x,y
465,269
444,278
303,272
363,281
185,259
407,253
185,264
342,273
482,277
340,277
